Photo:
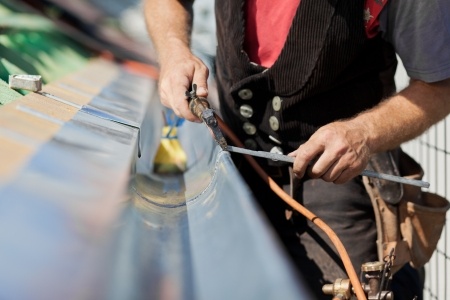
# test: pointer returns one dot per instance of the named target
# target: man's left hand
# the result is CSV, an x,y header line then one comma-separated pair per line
x,y
336,152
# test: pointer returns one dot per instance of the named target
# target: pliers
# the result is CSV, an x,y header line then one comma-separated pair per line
x,y
200,107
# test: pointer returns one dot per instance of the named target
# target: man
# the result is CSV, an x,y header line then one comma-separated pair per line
x,y
308,78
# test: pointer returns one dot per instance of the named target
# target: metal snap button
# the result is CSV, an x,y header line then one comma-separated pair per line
x,y
249,128
276,150
246,111
245,94
275,140
276,103
274,124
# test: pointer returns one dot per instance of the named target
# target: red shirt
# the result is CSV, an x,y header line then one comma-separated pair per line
x,y
268,24
267,27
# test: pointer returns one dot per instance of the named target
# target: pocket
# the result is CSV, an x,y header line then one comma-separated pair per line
x,y
412,226
421,224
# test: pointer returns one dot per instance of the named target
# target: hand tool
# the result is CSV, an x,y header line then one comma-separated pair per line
x,y
200,107
368,173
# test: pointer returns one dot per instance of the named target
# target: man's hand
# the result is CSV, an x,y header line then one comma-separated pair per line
x,y
169,23
340,150
336,153
179,71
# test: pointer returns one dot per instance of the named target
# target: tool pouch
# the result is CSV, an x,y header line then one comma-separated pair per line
x,y
409,220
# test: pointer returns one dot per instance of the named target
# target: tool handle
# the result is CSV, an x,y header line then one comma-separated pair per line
x,y
198,105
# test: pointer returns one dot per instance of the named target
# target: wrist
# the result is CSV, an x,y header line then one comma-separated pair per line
x,y
172,49
366,133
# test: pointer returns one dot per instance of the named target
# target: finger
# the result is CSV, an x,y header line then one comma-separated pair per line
x,y
201,80
305,153
186,113
322,165
333,172
293,153
345,176
178,101
349,173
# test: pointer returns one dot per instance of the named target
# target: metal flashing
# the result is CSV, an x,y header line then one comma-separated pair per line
x,y
85,217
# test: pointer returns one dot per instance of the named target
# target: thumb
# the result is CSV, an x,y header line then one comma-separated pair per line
x,y
293,153
202,91
200,79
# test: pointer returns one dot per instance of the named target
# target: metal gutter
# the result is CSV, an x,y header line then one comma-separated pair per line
x,y
85,218
59,206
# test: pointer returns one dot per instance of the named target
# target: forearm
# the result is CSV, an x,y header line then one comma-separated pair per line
x,y
405,115
169,24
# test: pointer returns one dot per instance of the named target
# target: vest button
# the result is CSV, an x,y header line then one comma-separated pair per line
x,y
245,94
276,150
246,111
273,139
250,144
276,103
249,128
274,124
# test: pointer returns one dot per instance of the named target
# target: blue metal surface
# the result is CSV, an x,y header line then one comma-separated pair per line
x,y
209,216
87,219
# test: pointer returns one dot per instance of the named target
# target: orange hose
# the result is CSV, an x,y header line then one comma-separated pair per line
x,y
303,210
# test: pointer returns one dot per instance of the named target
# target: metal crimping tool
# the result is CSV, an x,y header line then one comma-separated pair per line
x,y
200,107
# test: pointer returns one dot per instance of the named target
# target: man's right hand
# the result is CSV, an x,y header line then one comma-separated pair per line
x,y
169,23
179,70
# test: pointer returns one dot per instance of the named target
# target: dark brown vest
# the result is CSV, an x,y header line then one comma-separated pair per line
x,y
327,70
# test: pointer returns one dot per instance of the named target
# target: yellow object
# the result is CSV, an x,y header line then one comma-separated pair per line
x,y
170,157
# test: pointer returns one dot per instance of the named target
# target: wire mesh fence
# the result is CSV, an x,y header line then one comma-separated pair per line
x,y
432,150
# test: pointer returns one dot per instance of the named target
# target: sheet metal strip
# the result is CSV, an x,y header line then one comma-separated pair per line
x,y
368,173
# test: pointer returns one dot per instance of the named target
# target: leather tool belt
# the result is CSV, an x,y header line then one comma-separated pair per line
x,y
409,220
